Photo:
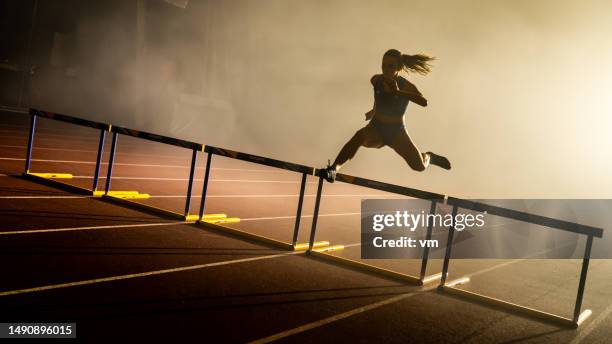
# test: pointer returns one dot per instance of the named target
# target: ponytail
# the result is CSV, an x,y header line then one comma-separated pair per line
x,y
418,63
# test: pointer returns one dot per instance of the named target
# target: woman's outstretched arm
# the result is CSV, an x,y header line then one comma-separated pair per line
x,y
412,93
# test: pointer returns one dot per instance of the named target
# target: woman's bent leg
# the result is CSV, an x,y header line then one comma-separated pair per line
x,y
404,146
367,136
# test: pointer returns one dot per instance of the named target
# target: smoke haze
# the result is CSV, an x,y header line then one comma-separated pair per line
x,y
519,96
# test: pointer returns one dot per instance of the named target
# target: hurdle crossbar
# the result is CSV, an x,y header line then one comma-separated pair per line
x,y
69,119
157,138
434,198
526,217
256,159
391,188
193,146
115,130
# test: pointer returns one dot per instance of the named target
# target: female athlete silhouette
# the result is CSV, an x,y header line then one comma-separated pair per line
x,y
386,128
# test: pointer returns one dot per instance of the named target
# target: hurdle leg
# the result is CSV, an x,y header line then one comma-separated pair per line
x,y
425,258
28,162
98,160
449,246
205,186
315,216
111,160
583,275
298,216
194,157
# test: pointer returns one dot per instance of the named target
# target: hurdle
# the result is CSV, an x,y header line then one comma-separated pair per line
x,y
50,178
125,198
284,165
321,249
590,232
434,198
120,198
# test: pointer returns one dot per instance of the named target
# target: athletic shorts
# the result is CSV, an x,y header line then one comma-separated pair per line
x,y
388,131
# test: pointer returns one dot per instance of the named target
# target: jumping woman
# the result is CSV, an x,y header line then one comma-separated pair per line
x,y
386,128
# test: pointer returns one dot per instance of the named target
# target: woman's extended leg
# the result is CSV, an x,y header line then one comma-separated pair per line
x,y
367,136
418,161
404,146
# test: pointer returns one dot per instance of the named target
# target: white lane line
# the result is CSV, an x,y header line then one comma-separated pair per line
x,y
141,165
47,160
160,224
352,245
43,197
70,229
280,196
199,180
335,318
198,196
271,170
52,148
142,274
293,217
359,310
26,127
39,130
44,133
13,109
50,138
87,151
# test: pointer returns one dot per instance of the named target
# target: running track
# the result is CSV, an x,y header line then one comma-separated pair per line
x,y
119,273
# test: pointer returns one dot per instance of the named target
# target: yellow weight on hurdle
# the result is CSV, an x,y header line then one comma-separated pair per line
x,y
305,246
192,217
213,216
222,220
195,217
329,248
132,196
115,193
126,195
52,175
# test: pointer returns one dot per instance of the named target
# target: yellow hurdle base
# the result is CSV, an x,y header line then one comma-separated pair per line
x,y
129,196
305,246
52,175
122,194
99,193
222,220
195,217
329,248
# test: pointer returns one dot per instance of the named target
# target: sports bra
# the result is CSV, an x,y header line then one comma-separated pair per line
x,y
388,103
